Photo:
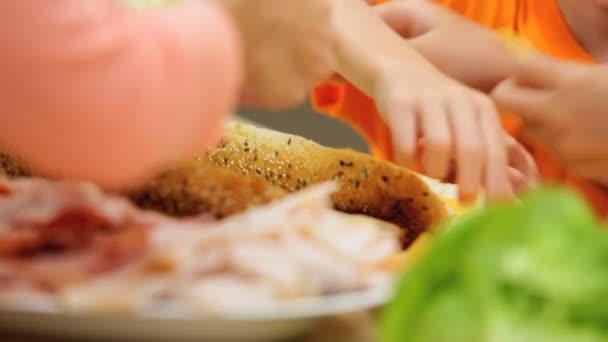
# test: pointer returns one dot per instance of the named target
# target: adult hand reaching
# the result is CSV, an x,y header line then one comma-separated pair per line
x,y
565,105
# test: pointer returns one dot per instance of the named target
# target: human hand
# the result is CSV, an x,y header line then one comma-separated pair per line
x,y
457,126
522,172
289,47
564,105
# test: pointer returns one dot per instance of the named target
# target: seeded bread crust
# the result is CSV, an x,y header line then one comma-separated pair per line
x,y
11,168
191,189
253,166
366,185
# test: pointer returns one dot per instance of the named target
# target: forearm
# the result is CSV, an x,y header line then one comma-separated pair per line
x,y
365,43
464,50
91,90
464,65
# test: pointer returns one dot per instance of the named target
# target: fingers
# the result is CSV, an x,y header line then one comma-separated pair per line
x,y
437,138
527,103
519,182
460,133
496,180
480,148
404,128
530,105
539,71
529,92
534,88
469,150
523,172
521,160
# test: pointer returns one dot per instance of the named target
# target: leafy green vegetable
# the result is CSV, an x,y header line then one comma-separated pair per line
x,y
533,272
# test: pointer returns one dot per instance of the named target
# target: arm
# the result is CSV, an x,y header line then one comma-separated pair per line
x,y
415,100
92,90
464,50
563,106
288,48
365,45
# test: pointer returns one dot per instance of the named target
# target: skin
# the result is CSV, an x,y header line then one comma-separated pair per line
x,y
480,61
289,47
588,20
575,95
419,101
539,86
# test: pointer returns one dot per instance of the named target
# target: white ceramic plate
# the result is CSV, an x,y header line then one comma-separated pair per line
x,y
284,321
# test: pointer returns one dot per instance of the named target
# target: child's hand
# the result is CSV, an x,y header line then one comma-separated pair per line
x,y
564,105
523,173
289,48
455,122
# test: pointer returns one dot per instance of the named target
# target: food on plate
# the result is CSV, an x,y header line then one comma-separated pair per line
x,y
10,167
69,247
532,272
254,166
189,189
366,185
185,189
60,231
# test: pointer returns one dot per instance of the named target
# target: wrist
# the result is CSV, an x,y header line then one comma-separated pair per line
x,y
382,67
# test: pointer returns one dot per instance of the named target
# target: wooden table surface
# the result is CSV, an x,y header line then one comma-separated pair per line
x,y
355,327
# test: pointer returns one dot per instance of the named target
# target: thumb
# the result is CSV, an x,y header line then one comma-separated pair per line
x,y
527,103
535,70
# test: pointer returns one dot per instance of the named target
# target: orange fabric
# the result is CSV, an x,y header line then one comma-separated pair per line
x,y
343,101
540,22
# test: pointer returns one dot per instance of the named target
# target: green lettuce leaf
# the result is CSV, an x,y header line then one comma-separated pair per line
x,y
537,271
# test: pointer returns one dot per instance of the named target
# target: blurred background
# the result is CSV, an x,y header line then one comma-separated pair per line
x,y
306,122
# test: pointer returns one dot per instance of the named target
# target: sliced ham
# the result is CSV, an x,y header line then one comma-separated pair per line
x,y
54,233
78,249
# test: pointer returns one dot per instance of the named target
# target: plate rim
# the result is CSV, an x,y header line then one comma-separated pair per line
x,y
295,309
